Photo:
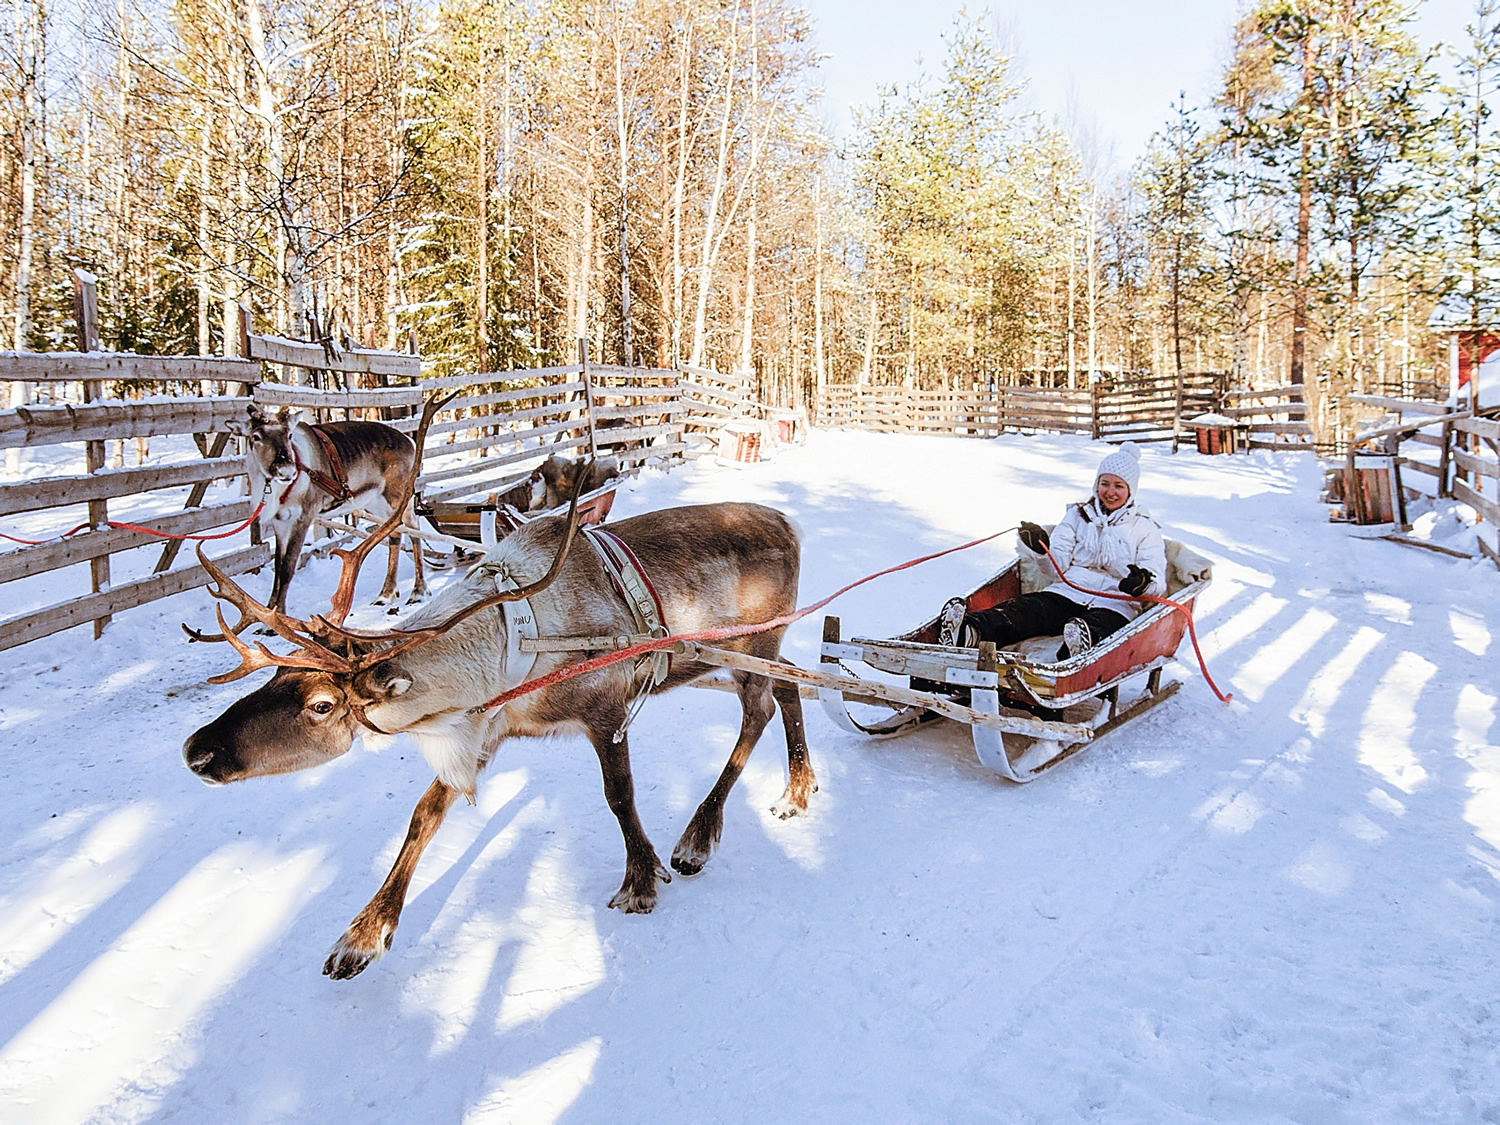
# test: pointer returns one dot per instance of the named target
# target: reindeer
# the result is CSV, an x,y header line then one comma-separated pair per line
x,y
557,478
303,471
712,565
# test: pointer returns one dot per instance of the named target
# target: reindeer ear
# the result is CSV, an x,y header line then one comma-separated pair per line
x,y
385,681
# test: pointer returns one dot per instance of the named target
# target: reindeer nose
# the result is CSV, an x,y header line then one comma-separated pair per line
x,y
204,757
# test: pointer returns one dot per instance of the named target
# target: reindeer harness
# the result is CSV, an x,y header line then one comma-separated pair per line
x,y
628,577
336,485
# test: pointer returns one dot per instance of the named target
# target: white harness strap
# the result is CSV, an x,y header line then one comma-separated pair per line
x,y
520,622
635,588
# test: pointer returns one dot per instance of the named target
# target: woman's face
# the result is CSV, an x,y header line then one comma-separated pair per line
x,y
1112,492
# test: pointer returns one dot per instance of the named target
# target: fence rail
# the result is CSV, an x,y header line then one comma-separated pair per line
x,y
1141,408
1465,466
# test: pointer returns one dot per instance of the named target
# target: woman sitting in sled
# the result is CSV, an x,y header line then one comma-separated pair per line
x,y
1106,542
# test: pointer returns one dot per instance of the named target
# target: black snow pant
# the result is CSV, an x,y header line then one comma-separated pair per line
x,y
1042,614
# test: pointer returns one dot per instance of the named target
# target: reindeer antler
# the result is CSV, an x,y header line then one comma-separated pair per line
x,y
312,640
343,597
410,640
310,651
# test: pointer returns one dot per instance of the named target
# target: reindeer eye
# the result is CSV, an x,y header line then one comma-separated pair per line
x,y
321,707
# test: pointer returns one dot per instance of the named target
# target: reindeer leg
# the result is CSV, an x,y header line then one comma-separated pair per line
x,y
389,594
369,935
289,540
703,831
419,581
801,782
637,894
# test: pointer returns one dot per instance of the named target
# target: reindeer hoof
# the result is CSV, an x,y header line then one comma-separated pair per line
x,y
689,859
416,598
633,903
349,956
792,803
636,899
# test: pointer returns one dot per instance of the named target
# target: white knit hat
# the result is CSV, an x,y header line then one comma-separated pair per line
x,y
1125,463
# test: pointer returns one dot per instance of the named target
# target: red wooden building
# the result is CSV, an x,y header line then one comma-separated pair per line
x,y
1469,348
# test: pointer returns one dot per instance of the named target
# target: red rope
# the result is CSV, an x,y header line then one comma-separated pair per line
x,y
39,542
723,633
1178,606
120,526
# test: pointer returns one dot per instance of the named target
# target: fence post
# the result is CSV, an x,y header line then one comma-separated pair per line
x,y
588,394
1445,462
1095,428
86,316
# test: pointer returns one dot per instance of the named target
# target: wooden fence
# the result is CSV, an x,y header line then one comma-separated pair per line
x,y
501,426
1272,418
1438,450
1140,408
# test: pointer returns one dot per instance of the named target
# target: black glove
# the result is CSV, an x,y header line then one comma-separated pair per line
x,y
1034,537
1136,582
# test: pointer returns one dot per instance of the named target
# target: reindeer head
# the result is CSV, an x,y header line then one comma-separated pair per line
x,y
269,443
313,708
298,720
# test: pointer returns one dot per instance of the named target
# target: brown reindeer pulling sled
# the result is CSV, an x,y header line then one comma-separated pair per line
x,y
533,605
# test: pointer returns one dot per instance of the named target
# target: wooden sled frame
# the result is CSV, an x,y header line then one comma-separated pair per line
x,y
486,522
1008,691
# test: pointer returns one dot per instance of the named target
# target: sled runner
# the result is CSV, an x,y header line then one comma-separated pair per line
x,y
1028,710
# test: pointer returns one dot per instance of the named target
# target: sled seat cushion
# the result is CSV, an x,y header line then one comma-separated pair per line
x,y
1037,650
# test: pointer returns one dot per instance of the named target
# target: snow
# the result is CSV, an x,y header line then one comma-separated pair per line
x,y
1280,910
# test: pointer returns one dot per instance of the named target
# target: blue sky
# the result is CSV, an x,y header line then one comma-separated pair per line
x,y
1113,66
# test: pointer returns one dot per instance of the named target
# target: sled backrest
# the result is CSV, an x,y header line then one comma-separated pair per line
x,y
1184,567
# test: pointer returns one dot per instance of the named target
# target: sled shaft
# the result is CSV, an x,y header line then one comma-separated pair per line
x,y
885,693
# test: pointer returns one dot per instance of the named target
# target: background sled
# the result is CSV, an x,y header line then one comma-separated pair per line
x,y
489,520
1028,711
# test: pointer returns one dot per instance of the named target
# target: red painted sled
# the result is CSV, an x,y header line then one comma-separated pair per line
x,y
1028,710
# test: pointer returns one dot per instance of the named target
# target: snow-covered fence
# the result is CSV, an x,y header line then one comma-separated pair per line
x,y
83,499
1433,450
1139,407
1472,455
487,440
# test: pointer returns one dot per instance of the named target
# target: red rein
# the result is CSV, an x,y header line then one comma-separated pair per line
x,y
1178,606
568,671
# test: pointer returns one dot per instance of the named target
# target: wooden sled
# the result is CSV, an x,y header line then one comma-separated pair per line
x,y
489,520
1028,711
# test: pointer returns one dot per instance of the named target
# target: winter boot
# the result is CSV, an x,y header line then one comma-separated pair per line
x,y
951,628
1077,637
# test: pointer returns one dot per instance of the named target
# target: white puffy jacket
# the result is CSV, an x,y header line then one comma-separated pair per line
x,y
1096,548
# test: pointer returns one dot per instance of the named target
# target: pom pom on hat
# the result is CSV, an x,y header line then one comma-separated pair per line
x,y
1125,463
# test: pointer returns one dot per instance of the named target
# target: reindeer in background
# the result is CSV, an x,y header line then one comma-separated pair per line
x,y
304,471
711,565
